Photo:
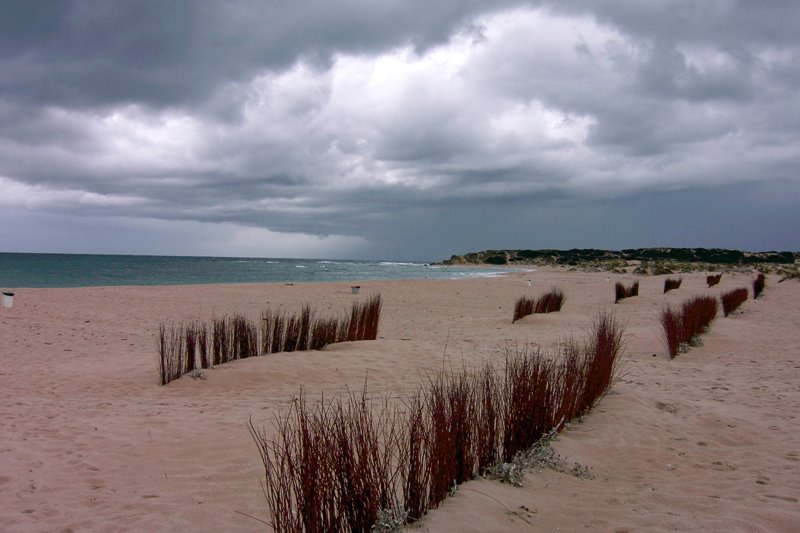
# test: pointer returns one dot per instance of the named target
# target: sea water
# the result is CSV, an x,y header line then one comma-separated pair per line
x,y
74,270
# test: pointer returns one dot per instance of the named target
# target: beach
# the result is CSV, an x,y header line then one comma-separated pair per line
x,y
89,441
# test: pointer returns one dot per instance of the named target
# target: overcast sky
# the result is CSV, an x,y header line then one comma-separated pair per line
x,y
404,129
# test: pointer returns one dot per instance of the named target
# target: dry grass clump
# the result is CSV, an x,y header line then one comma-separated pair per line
x,y
671,284
180,347
713,279
758,285
621,291
354,463
682,327
733,299
549,302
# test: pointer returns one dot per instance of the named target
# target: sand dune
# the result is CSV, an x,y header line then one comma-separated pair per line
x,y
90,442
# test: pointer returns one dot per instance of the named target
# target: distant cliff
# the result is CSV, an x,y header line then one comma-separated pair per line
x,y
577,256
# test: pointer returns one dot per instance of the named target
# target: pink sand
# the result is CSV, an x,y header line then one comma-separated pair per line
x,y
90,442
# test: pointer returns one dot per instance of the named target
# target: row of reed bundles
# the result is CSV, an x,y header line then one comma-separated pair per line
x,y
183,348
337,464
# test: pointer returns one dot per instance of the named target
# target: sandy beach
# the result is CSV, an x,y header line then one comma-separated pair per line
x,y
89,441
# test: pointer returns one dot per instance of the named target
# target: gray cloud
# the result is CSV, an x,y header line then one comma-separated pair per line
x,y
404,130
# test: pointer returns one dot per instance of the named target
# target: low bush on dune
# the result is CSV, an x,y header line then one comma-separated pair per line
x,y
550,302
731,300
622,292
758,285
359,462
672,284
683,326
181,347
713,279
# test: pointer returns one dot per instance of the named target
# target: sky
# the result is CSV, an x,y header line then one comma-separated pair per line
x,y
397,130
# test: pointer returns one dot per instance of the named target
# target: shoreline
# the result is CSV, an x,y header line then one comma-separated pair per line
x,y
91,441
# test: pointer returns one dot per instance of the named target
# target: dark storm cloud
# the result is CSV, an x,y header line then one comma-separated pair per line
x,y
85,53
399,129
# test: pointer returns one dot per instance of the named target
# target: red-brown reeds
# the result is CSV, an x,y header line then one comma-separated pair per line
x,y
292,333
601,359
170,343
681,328
179,347
244,338
758,285
277,332
549,302
238,338
333,467
523,307
671,329
190,342
335,464
672,284
442,463
713,279
621,291
363,453
221,341
487,428
526,405
732,300
415,456
202,341
323,332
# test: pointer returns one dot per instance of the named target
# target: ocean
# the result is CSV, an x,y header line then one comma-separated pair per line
x,y
79,270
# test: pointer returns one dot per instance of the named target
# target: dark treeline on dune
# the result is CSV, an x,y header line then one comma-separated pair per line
x,y
575,256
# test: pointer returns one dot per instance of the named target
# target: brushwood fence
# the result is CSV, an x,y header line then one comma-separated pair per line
x,y
339,464
184,347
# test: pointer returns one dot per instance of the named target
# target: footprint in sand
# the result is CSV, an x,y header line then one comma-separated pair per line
x,y
779,497
669,408
722,467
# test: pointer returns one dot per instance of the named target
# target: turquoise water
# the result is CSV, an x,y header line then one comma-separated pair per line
x,y
67,270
